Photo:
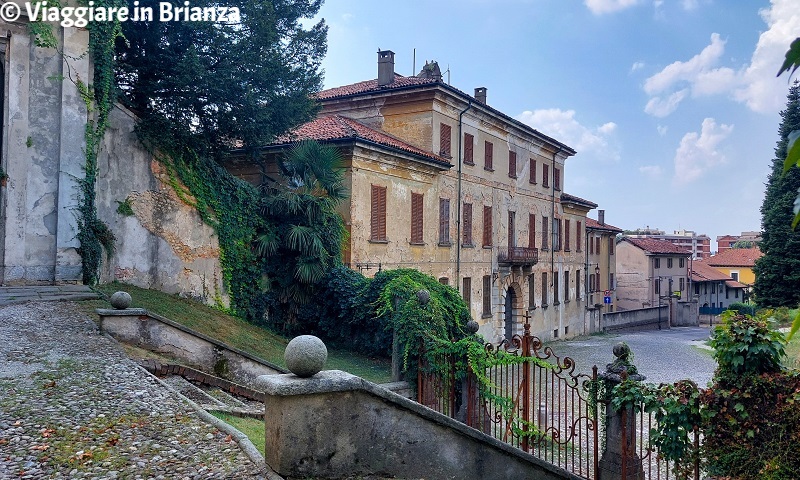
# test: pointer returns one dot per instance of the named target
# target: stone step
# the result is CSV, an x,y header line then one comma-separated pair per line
x,y
37,293
214,399
193,393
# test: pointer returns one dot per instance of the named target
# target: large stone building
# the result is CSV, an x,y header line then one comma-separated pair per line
x,y
602,265
442,182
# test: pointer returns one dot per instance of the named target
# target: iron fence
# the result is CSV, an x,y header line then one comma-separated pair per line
x,y
538,403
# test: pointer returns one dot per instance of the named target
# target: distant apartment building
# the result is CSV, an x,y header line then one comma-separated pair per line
x,y
443,183
650,270
726,242
698,245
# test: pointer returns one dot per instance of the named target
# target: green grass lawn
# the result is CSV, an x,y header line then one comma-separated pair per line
x,y
253,428
236,332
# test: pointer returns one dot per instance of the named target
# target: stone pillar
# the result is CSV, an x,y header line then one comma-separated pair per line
x,y
620,460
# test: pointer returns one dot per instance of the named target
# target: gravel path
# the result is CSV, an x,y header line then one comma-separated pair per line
x,y
72,405
664,356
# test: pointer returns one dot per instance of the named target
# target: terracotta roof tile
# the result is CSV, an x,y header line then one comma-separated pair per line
x,y
595,225
651,245
337,127
372,86
735,257
704,273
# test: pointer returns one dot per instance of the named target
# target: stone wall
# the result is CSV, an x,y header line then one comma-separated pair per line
x,y
639,319
164,244
336,425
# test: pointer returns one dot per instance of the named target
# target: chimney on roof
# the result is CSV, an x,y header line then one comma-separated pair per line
x,y
601,217
480,94
385,67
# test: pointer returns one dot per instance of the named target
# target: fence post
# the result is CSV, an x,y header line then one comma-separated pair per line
x,y
620,460
526,381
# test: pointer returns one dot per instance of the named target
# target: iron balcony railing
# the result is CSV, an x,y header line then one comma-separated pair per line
x,y
518,256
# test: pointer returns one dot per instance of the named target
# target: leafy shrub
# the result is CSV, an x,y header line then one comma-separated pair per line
x,y
742,308
744,345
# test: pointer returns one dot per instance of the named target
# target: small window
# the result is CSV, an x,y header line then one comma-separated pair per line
x,y
487,295
444,281
555,290
566,286
735,276
578,285
488,153
466,290
532,169
544,289
657,286
611,245
444,221
545,175
531,230
487,226
469,142
656,262
681,283
445,132
467,234
611,281
669,263
531,292
681,262
566,236
736,293
556,178
578,235
512,164
416,218
591,246
378,214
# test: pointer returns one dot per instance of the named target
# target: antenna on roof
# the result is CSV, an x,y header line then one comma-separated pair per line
x,y
414,64
448,73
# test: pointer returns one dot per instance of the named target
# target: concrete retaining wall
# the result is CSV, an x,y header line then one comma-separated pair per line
x,y
138,327
336,425
634,320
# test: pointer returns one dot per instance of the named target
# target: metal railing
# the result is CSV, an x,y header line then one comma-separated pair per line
x,y
517,256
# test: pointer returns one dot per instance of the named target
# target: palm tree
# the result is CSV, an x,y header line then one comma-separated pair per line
x,y
304,234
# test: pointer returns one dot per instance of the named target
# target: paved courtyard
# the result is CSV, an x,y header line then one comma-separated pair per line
x,y
664,356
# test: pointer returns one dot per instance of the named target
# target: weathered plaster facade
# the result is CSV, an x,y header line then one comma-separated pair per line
x,y
421,158
42,155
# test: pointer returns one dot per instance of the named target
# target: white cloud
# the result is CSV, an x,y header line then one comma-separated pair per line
x,y
652,171
599,7
659,107
561,125
754,84
662,130
689,4
699,153
637,66
760,90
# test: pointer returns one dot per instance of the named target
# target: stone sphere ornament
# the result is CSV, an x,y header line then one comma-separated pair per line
x,y
423,297
472,327
120,300
305,355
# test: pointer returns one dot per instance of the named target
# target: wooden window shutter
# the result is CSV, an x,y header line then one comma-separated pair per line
x,y
487,295
512,239
487,226
566,236
444,220
416,218
556,178
445,133
469,157
597,246
545,233
467,238
611,245
545,175
532,178
466,291
378,213
578,228
591,245
488,153
544,288
512,164
531,231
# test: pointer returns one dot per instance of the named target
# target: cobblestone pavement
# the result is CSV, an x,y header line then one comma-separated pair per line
x,y
72,405
663,356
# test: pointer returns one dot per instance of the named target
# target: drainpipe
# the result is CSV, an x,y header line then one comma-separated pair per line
x,y
458,208
552,225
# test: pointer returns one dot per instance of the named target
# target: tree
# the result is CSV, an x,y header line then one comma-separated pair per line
x,y
778,271
303,233
223,84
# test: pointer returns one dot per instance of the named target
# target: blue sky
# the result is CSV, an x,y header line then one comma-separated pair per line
x,y
672,105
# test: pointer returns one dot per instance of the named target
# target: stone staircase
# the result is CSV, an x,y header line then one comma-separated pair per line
x,y
214,399
27,293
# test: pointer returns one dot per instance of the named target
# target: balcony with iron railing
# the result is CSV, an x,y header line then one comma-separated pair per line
x,y
517,256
